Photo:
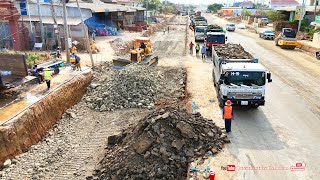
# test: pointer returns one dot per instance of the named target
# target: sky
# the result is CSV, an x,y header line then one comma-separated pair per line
x,y
219,1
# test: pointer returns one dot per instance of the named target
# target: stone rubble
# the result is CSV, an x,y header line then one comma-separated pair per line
x,y
232,51
135,86
160,146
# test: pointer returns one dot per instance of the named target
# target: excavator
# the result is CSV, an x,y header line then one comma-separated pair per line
x,y
287,39
141,53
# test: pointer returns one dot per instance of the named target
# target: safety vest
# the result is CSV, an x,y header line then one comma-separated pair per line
x,y
47,75
227,112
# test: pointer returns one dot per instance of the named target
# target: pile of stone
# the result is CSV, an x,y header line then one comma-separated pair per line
x,y
135,86
160,146
120,46
232,51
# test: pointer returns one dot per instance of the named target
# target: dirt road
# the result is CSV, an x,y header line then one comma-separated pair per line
x,y
284,131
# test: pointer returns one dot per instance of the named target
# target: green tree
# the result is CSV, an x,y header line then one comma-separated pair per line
x,y
275,15
152,4
246,12
215,7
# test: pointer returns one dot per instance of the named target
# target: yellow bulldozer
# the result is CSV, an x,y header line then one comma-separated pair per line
x,y
287,39
141,53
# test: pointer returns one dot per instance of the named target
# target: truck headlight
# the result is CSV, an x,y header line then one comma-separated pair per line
x,y
230,97
257,97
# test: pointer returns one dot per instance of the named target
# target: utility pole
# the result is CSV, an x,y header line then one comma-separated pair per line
x,y
147,4
41,24
66,31
315,9
55,22
301,14
32,35
84,29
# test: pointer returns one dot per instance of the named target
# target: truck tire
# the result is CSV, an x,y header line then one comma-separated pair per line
x,y
56,71
220,102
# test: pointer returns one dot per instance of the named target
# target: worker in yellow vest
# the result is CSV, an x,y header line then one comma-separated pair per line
x,y
47,76
227,115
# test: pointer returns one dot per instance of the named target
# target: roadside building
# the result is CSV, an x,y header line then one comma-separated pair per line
x,y
282,3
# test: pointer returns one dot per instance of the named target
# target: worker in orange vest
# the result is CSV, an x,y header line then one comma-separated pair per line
x,y
227,115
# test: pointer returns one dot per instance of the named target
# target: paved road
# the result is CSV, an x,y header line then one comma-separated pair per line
x,y
287,129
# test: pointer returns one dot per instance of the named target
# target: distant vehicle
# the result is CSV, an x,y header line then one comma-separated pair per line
x,y
318,55
184,13
287,39
199,33
215,36
265,21
192,12
208,11
267,34
231,27
241,26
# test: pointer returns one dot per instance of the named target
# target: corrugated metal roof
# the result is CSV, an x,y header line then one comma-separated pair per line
x,y
285,2
100,7
49,20
293,8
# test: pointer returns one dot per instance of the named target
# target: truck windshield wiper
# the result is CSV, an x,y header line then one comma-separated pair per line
x,y
233,84
244,85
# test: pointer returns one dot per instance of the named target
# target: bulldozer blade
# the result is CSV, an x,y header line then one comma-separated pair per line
x,y
151,61
120,63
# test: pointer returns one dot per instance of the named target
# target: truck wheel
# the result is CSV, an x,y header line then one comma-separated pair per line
x,y
56,71
254,106
220,102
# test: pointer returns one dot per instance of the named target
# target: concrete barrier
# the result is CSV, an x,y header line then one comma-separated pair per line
x,y
26,129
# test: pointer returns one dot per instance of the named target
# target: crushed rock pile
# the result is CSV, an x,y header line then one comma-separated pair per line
x,y
120,46
160,146
232,51
135,86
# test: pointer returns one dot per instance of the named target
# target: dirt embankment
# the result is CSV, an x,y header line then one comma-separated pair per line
x,y
17,135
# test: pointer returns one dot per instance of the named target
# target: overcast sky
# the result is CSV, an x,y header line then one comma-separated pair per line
x,y
219,1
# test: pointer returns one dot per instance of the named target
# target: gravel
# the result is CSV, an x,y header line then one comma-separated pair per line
x,y
232,51
160,146
135,86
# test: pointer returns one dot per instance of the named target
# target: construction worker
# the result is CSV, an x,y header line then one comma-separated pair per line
x,y
164,30
78,65
74,49
47,77
197,49
203,52
191,47
227,115
168,29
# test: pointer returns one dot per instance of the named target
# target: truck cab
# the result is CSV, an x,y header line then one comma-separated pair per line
x,y
243,81
199,33
214,39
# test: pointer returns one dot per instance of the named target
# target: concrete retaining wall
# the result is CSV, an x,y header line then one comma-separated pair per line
x,y
17,135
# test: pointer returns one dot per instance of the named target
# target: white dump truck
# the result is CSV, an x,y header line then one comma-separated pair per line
x,y
238,76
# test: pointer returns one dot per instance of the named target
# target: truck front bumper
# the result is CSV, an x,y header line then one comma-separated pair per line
x,y
246,102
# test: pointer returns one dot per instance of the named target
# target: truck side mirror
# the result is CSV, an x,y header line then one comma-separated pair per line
x,y
269,77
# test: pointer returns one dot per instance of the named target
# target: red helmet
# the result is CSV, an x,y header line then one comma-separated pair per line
x,y
228,103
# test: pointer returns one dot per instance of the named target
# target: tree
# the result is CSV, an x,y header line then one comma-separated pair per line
x,y
215,7
246,12
275,15
152,4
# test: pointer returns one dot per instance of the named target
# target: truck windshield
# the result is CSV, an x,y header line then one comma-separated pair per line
x,y
216,38
200,30
245,78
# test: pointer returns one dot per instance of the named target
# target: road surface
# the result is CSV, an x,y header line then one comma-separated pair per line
x,y
286,130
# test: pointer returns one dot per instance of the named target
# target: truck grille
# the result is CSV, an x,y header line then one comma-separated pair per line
x,y
243,95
